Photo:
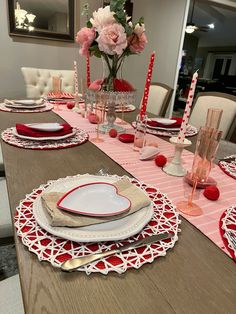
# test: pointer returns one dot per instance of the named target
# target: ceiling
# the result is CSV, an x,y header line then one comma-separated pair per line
x,y
224,20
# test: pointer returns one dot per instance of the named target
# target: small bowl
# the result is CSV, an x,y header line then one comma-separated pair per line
x,y
148,152
126,138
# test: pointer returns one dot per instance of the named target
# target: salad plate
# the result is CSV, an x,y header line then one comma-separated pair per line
x,y
47,127
164,121
104,200
112,230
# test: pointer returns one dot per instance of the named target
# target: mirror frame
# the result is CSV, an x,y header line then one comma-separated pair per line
x,y
13,31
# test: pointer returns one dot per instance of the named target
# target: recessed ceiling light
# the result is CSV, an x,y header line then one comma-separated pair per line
x,y
212,26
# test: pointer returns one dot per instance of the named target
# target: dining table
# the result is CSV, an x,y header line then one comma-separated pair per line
x,y
194,277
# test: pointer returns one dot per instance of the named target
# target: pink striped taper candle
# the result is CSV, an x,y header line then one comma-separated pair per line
x,y
184,124
88,70
147,86
76,79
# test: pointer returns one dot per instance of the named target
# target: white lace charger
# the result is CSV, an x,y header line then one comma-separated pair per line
x,y
227,226
56,250
78,138
229,167
47,107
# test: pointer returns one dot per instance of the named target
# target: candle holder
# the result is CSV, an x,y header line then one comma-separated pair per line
x,y
140,133
175,167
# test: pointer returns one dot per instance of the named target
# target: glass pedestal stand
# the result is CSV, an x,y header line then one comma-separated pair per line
x,y
175,167
110,100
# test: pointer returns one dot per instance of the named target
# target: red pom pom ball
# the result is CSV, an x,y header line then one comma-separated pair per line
x,y
70,105
212,193
160,160
113,133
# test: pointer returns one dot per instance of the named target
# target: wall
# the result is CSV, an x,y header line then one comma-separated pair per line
x,y
164,22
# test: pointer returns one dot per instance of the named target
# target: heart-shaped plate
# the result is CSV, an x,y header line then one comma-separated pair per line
x,y
98,199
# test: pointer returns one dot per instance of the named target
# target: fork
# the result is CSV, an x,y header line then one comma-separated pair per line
x,y
232,238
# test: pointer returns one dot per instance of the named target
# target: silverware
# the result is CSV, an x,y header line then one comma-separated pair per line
x,y
74,263
232,238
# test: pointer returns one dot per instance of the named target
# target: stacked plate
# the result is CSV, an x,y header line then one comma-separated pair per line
x,y
91,195
164,124
24,104
46,128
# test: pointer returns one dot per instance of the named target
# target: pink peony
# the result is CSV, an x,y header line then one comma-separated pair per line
x,y
85,37
137,42
112,39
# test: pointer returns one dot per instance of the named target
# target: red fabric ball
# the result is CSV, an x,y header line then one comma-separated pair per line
x,y
113,133
93,118
160,160
70,105
212,193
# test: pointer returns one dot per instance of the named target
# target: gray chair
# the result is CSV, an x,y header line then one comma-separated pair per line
x,y
159,98
10,296
216,100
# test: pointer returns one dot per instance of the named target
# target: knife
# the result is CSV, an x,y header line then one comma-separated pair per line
x,y
74,263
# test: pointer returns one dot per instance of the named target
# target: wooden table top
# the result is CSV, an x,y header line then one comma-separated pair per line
x,y
194,277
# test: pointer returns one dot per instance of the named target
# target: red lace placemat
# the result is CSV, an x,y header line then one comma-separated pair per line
x,y
229,167
56,250
47,107
228,224
78,138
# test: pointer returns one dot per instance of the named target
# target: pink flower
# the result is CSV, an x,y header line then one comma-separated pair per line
x,y
102,17
85,37
112,39
137,42
96,85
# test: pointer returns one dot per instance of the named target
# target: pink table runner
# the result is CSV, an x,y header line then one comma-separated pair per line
x,y
147,171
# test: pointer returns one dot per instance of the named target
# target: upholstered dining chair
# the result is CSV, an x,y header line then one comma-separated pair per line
x,y
216,100
39,81
10,296
159,98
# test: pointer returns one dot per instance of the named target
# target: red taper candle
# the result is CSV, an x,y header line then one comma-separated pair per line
x,y
147,86
88,70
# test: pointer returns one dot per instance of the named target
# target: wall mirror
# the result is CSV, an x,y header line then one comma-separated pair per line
x,y
51,19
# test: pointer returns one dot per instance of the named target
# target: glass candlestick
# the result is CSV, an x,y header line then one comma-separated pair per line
x,y
140,133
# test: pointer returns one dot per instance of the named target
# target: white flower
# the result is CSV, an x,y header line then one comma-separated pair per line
x,y
102,17
138,30
130,24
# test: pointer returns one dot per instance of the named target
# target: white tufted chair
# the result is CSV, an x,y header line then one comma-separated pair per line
x,y
159,98
10,296
39,81
222,101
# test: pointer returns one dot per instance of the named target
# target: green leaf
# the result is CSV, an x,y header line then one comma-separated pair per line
x,y
94,51
141,20
128,30
89,24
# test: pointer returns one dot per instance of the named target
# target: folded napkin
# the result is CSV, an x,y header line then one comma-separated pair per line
x,y
59,218
25,102
158,124
25,130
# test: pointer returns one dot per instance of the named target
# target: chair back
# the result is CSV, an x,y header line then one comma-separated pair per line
x,y
39,81
159,98
215,100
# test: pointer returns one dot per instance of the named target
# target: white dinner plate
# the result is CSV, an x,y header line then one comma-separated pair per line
x,y
26,102
163,128
18,106
51,138
48,127
104,200
163,121
109,231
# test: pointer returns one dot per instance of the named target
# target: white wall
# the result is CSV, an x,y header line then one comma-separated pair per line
x,y
164,22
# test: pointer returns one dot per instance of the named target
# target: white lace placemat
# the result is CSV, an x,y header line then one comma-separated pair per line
x,y
78,138
56,250
229,166
227,226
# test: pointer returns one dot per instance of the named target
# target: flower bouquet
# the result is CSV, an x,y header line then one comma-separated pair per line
x,y
111,35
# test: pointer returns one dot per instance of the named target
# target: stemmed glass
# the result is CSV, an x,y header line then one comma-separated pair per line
x,y
100,113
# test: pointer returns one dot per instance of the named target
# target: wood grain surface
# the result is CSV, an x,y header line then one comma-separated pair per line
x,y
194,277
